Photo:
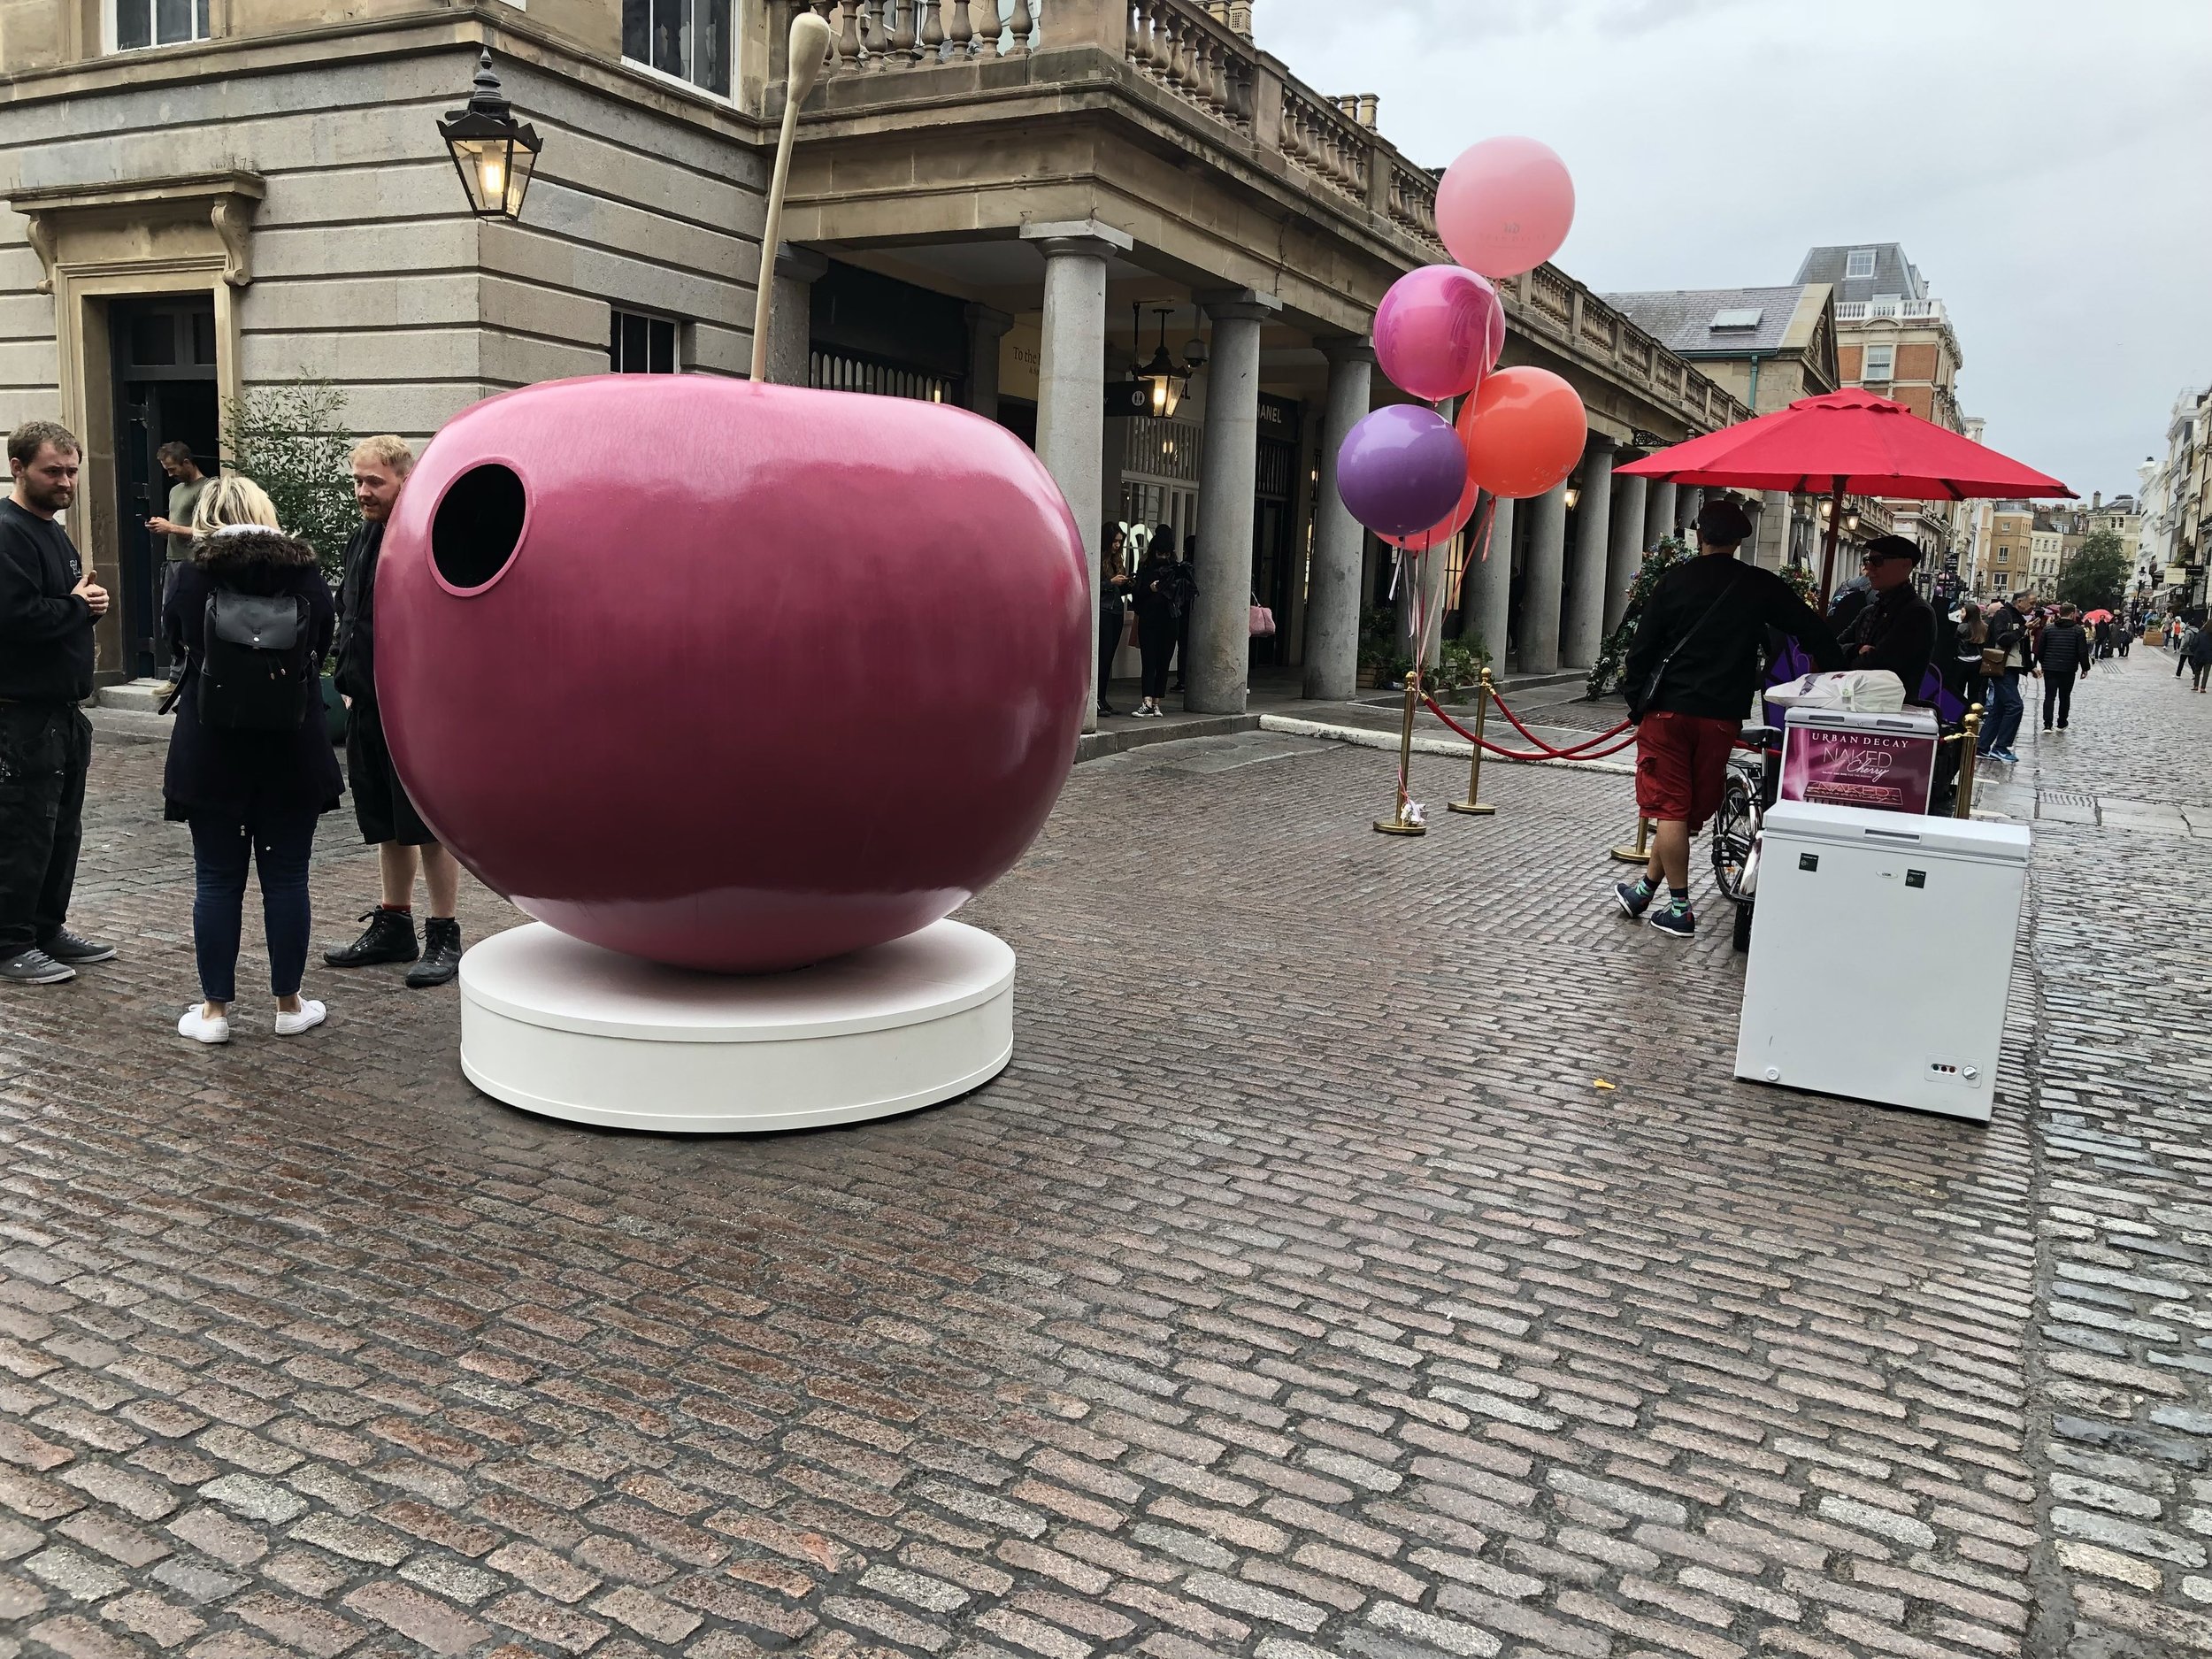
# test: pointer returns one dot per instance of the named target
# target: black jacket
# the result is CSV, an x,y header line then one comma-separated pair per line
x,y
1717,668
241,775
2199,650
2064,649
353,667
1895,631
2009,631
45,632
1160,594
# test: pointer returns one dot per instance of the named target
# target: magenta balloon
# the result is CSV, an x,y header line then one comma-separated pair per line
x,y
1434,331
1402,469
1505,206
778,674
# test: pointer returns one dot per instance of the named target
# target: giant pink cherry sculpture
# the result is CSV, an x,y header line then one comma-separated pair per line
x,y
731,676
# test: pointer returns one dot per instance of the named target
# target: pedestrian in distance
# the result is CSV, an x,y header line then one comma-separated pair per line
x,y
389,820
1690,675
2008,636
2181,635
186,485
2104,638
1114,583
1962,672
1156,592
49,603
2199,656
2062,657
250,767
1186,579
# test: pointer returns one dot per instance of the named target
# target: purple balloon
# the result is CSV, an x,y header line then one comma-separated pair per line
x,y
1438,332
1402,469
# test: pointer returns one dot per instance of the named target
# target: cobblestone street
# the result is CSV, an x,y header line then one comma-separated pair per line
x,y
1367,1253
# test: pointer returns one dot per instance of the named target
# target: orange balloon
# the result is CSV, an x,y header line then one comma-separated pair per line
x,y
1524,430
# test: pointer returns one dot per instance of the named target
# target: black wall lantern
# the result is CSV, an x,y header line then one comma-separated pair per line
x,y
493,153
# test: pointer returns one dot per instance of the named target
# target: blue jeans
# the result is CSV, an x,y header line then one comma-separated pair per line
x,y
221,849
2004,713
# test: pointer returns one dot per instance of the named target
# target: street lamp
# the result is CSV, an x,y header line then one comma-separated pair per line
x,y
1166,378
493,153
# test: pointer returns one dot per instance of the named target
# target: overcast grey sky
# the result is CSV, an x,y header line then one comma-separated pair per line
x,y
2047,164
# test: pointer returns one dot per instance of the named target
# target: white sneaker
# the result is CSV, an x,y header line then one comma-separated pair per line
x,y
310,1015
196,1026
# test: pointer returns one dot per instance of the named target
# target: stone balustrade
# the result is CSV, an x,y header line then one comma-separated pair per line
x,y
1327,143
1190,49
1200,54
1548,305
890,34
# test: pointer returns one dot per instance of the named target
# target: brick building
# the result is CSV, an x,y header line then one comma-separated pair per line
x,y
1893,337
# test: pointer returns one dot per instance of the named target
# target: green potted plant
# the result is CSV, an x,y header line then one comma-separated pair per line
x,y
293,442
1459,665
1379,648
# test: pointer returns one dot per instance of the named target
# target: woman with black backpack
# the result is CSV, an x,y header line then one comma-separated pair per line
x,y
250,767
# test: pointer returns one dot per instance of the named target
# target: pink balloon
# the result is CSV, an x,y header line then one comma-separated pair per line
x,y
1436,329
1505,206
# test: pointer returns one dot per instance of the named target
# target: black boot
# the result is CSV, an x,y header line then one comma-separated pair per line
x,y
390,937
440,954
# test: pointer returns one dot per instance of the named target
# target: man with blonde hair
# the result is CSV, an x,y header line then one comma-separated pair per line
x,y
389,820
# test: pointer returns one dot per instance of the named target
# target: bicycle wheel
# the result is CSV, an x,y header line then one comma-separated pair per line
x,y
1732,829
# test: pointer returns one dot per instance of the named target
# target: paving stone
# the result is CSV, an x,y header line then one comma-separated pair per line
x,y
1316,1304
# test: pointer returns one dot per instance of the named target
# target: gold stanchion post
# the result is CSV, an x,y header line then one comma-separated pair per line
x,y
1474,803
1967,739
1639,852
1401,824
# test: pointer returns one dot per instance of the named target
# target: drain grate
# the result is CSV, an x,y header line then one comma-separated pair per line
x,y
2065,797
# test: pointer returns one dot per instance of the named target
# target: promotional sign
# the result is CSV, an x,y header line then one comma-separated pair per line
x,y
1886,764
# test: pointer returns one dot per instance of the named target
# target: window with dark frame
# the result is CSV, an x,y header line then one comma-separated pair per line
x,y
689,39
159,23
638,344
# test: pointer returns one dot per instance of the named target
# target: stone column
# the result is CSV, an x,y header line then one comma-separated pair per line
x,y
1487,601
1658,514
1688,500
791,331
1627,549
1542,581
1332,599
1215,677
1774,529
985,329
1071,384
1583,629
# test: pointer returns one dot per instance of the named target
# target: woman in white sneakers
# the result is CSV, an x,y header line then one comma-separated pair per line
x,y
250,767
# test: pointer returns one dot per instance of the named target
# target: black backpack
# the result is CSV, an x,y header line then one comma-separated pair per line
x,y
255,670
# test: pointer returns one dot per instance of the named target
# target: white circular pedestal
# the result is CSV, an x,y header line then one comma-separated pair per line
x,y
567,1030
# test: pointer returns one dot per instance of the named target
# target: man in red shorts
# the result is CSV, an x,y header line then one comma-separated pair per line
x,y
1690,678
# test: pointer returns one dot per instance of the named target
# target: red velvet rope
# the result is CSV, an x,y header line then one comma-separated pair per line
x,y
1568,752
1579,752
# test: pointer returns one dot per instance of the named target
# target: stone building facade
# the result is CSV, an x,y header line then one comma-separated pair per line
x,y
252,193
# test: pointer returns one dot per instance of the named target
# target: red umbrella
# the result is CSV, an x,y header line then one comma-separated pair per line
x,y
1847,442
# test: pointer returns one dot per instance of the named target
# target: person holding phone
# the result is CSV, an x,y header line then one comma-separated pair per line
x,y
49,603
186,485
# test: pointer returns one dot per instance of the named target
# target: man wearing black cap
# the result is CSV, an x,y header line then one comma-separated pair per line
x,y
1895,630
1690,678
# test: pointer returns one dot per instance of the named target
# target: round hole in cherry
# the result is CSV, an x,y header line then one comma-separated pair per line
x,y
478,526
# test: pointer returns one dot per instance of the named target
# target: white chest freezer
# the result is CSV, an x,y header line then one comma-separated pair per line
x,y
1881,954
